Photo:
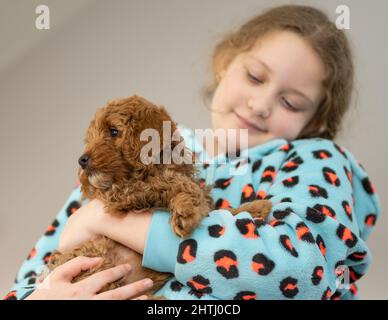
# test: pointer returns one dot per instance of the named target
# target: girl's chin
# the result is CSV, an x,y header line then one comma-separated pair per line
x,y
254,140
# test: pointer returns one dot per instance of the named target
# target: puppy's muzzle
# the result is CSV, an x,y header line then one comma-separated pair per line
x,y
84,160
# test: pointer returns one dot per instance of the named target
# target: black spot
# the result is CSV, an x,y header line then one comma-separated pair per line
x,y
187,251
287,244
314,215
317,275
281,214
322,154
216,230
326,294
72,207
226,262
176,286
262,265
348,237
256,165
368,187
245,295
289,287
317,191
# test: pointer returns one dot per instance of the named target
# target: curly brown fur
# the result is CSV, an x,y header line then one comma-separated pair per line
x,y
115,174
112,254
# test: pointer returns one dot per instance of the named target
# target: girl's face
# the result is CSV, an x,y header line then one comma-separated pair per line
x,y
273,90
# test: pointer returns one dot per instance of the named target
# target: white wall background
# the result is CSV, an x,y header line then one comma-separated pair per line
x,y
52,81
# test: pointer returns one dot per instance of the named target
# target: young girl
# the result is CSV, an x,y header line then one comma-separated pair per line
x,y
286,76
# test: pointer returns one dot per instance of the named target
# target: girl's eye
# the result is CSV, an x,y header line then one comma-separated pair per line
x,y
113,132
289,105
254,79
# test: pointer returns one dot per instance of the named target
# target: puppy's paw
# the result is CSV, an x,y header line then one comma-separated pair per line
x,y
184,224
260,208
179,225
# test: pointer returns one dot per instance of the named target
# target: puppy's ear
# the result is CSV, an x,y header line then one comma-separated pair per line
x,y
144,120
168,133
96,125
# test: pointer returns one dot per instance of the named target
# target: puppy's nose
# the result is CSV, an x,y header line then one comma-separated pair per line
x,y
83,160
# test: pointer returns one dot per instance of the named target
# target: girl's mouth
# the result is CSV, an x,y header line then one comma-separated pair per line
x,y
247,124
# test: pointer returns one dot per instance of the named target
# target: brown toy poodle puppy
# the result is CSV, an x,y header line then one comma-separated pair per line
x,y
112,170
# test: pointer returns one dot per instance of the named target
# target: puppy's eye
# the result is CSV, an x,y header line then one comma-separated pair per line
x,y
113,132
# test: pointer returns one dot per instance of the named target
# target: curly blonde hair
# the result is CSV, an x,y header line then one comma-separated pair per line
x,y
329,42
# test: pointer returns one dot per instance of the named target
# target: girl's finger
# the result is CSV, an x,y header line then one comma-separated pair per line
x,y
126,292
72,268
97,281
143,297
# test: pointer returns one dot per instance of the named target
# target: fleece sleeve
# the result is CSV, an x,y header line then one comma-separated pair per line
x,y
33,265
310,246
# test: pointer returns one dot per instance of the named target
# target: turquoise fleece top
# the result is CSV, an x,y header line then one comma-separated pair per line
x,y
324,208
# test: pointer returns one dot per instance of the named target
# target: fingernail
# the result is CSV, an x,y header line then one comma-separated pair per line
x,y
147,283
96,258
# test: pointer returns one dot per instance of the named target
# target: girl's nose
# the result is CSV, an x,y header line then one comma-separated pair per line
x,y
259,107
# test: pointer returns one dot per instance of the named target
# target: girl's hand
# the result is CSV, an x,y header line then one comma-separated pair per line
x,y
58,286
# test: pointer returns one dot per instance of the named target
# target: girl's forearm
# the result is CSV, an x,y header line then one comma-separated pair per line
x,y
130,230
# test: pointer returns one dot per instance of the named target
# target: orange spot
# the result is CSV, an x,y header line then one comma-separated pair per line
x,y
197,285
251,231
261,194
359,256
248,190
323,155
372,186
327,212
226,263
353,288
302,231
273,222
227,182
225,204
32,253
369,221
186,254
257,266
10,295
286,147
347,234
323,249
328,294
290,286
290,164
289,244
332,177
352,275
269,174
